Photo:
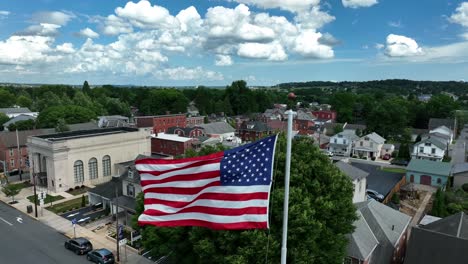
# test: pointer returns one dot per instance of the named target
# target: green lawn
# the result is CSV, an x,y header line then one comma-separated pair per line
x,y
396,170
78,191
67,206
21,185
47,200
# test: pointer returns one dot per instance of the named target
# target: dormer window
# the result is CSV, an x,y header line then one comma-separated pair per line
x,y
340,136
366,138
428,144
130,173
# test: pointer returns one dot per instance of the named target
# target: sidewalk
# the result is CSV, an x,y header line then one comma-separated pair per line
x,y
65,227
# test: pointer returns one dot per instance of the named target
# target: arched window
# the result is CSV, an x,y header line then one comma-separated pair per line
x,y
78,171
106,166
93,168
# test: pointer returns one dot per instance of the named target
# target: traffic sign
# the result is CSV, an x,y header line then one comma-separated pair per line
x,y
73,221
41,202
122,242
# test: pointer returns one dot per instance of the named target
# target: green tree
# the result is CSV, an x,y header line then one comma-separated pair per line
x,y
61,125
24,101
72,114
337,129
3,119
389,118
86,89
23,125
441,106
11,190
321,214
160,101
7,99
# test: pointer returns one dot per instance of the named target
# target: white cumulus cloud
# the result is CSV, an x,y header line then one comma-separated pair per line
x,y
271,51
401,46
65,48
182,73
54,17
307,44
144,15
223,60
88,33
289,5
461,15
25,49
4,13
43,29
358,3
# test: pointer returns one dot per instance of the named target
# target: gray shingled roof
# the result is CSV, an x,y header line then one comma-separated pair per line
x,y
217,128
429,167
362,241
350,134
437,122
386,224
18,118
460,167
376,138
440,242
107,190
14,110
433,140
351,171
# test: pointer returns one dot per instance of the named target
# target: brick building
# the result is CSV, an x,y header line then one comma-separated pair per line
x,y
9,148
325,115
191,132
168,144
195,121
254,130
161,123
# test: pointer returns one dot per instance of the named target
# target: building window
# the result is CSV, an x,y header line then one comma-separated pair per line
x,y
361,143
427,144
439,180
344,141
12,163
106,166
421,149
433,150
11,151
130,190
78,171
335,140
93,168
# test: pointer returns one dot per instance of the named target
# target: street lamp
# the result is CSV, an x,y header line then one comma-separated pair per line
x,y
116,181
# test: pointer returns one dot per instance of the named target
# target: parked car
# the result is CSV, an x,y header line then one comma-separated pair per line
x,y
79,245
400,162
327,152
386,156
375,195
102,256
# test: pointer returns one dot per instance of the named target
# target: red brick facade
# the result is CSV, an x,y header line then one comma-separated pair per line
x,y
162,122
325,114
305,127
169,147
10,156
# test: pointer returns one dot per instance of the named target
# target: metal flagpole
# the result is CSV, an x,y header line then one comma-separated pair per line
x,y
290,114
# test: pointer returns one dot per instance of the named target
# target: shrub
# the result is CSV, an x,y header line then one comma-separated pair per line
x,y
465,187
396,198
70,189
454,208
77,187
82,186
373,158
83,201
395,154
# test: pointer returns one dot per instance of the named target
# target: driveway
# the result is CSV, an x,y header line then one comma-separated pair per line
x,y
84,215
459,149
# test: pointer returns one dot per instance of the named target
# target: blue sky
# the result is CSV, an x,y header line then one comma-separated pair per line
x,y
214,42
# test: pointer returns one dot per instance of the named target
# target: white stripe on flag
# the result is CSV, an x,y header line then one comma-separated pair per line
x,y
213,189
164,167
205,217
210,203
183,184
188,171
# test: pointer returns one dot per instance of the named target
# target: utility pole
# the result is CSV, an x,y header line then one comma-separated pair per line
x,y
117,218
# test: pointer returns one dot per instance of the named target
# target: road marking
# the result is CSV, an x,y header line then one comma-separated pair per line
x,y
6,221
19,219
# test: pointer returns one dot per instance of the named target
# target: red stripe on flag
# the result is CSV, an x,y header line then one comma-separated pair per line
x,y
177,161
184,177
211,196
218,226
180,190
193,165
211,211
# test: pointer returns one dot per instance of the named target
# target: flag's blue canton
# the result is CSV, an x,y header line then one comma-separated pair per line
x,y
250,164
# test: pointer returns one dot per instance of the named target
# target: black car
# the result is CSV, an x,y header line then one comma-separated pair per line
x,y
79,245
102,256
399,162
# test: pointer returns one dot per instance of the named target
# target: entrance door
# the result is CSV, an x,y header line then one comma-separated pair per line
x,y
425,179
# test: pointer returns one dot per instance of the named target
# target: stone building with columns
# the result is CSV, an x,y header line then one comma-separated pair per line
x,y
65,160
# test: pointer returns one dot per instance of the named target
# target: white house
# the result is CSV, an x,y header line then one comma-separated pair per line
x,y
16,111
219,130
341,144
430,148
443,130
358,177
369,145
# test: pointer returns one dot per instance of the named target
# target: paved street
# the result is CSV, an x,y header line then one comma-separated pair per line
x,y
458,152
25,240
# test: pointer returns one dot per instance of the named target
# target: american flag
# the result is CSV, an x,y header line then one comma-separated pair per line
x,y
225,190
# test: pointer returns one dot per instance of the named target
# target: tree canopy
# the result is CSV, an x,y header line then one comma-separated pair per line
x,y
321,213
